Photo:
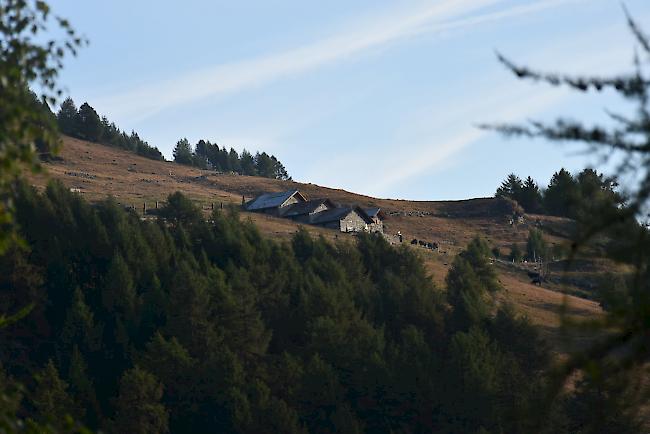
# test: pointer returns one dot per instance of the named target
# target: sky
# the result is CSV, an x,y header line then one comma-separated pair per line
x,y
376,97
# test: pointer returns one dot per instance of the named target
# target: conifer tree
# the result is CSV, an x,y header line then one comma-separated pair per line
x,y
66,117
233,161
264,165
51,399
183,152
279,171
562,194
88,123
530,197
80,327
118,292
82,388
510,188
138,407
247,163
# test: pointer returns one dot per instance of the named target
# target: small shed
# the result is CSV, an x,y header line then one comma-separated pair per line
x,y
345,219
274,203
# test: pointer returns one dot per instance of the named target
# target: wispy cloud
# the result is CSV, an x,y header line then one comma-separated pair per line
x,y
145,101
437,151
506,103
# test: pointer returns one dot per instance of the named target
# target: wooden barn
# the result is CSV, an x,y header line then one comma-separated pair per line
x,y
274,203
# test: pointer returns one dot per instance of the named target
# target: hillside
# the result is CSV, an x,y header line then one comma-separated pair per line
x,y
97,171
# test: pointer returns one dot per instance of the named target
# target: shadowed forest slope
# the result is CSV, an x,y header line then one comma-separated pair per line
x,y
97,171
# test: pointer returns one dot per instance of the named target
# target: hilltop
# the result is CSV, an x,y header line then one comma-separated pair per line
x,y
97,171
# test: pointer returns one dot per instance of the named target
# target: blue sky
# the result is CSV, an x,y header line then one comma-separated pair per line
x,y
376,97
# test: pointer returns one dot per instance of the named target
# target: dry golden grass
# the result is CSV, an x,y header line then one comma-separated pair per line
x,y
98,171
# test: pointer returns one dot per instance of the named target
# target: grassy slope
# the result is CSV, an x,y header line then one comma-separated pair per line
x,y
99,171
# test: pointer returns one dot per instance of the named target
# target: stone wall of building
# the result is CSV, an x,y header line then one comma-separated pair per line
x,y
377,226
353,222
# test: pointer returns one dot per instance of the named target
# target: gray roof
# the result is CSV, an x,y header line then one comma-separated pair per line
x,y
336,214
372,212
331,215
272,200
308,207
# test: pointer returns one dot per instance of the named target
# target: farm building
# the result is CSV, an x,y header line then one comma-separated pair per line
x,y
274,203
321,212
377,218
303,211
344,219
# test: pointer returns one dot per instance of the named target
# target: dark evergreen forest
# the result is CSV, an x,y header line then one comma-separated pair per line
x,y
207,155
86,124
575,196
194,324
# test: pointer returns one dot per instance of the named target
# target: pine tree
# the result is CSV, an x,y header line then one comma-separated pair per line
x,y
82,388
233,161
264,166
66,117
561,195
138,409
470,283
88,123
79,327
530,197
183,152
473,377
279,171
510,188
50,398
247,163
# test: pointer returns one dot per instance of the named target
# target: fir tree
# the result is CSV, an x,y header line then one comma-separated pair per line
x,y
183,152
88,123
138,407
561,194
510,188
51,399
530,197
66,117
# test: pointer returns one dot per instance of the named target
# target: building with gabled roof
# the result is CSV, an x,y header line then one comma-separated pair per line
x,y
320,212
303,211
274,203
345,219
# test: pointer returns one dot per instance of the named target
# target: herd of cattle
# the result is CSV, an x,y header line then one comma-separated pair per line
x,y
425,244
